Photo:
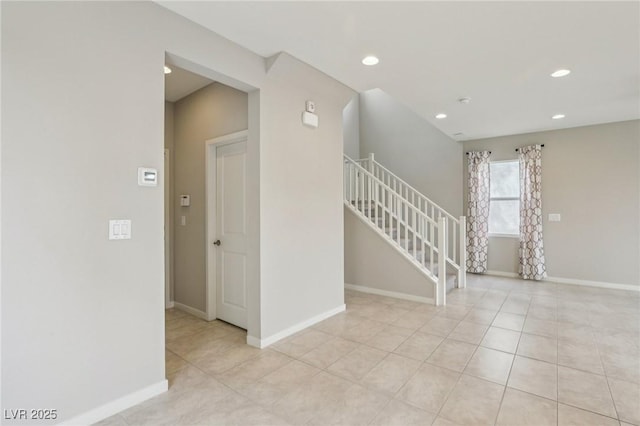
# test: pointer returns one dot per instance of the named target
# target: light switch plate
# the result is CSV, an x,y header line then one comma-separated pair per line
x,y
120,229
554,217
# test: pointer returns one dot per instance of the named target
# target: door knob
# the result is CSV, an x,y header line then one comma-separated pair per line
x,y
217,243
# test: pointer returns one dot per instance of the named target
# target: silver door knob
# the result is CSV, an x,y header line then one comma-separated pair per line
x,y
217,243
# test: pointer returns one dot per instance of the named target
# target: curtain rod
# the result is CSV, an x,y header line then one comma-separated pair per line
x,y
518,149
467,153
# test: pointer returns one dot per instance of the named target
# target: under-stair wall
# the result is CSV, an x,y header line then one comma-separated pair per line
x,y
372,265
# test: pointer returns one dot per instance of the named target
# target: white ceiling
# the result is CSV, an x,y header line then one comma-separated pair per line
x,y
181,83
499,54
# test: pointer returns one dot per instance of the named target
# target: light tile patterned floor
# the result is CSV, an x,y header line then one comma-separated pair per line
x,y
503,351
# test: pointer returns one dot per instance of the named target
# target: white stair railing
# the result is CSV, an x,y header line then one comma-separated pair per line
x,y
456,227
421,239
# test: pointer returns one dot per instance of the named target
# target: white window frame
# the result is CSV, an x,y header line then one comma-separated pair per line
x,y
502,199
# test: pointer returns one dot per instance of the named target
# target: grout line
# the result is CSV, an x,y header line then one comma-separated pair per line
x,y
557,374
504,391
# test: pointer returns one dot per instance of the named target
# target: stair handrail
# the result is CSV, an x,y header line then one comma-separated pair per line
x,y
457,256
367,173
371,160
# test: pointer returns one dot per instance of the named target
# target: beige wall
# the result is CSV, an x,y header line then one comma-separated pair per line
x,y
212,111
591,176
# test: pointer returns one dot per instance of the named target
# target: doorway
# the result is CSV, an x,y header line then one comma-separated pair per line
x,y
209,281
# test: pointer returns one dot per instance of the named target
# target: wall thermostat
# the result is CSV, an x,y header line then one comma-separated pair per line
x,y
147,176
185,200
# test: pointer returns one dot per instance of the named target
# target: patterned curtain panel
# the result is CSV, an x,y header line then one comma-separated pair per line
x,y
532,266
478,211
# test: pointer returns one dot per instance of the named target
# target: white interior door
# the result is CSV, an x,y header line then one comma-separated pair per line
x,y
231,231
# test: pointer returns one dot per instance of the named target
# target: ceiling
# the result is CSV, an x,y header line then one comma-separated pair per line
x,y
499,54
180,83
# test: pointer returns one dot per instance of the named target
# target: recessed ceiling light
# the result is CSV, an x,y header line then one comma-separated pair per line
x,y
167,70
557,116
441,116
370,60
560,73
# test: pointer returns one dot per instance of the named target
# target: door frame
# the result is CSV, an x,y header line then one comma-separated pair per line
x,y
168,231
211,204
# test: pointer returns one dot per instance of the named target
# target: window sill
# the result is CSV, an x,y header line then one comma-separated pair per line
x,y
517,236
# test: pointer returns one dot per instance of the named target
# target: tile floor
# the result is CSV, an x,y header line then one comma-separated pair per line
x,y
503,352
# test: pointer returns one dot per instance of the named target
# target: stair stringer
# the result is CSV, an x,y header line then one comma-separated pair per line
x,y
373,260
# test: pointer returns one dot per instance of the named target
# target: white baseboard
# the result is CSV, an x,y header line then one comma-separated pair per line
x,y
587,283
263,343
193,311
499,274
387,293
170,305
118,405
572,281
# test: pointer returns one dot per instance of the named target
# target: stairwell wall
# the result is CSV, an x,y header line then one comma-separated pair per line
x,y
412,148
417,152
351,128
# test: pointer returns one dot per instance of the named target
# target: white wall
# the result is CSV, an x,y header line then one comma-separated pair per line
x,y
212,111
412,148
591,176
82,317
301,222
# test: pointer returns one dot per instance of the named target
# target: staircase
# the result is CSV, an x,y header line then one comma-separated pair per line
x,y
429,237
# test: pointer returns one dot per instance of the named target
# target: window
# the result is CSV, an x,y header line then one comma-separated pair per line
x,y
504,193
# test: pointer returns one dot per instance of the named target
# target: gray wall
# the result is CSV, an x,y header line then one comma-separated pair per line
x,y
412,148
591,177
370,261
301,218
351,130
82,316
212,111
